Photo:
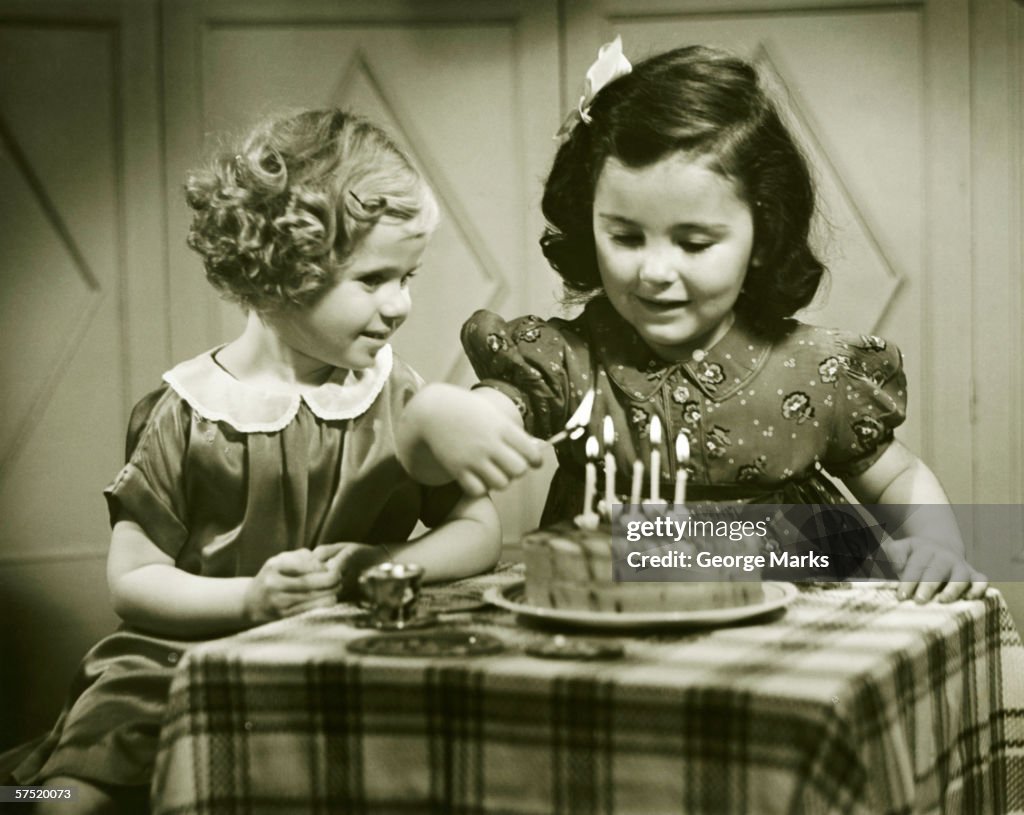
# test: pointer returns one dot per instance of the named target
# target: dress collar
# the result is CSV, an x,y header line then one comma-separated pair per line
x,y
639,372
216,395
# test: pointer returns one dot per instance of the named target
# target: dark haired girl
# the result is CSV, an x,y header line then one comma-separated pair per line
x,y
678,209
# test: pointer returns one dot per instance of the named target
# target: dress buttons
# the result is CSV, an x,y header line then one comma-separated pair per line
x,y
172,658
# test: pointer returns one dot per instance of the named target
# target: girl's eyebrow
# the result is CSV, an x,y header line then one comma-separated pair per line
x,y
389,270
623,221
607,216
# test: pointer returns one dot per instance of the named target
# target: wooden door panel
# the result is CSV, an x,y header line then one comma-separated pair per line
x,y
81,285
857,114
61,434
448,91
909,114
470,90
388,76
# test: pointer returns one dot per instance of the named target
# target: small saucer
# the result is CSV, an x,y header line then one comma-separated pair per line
x,y
559,647
447,601
445,642
419,621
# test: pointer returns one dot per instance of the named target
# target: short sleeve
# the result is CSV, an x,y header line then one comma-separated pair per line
x,y
526,360
150,488
870,401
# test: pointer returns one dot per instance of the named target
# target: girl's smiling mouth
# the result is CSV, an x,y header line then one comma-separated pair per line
x,y
660,304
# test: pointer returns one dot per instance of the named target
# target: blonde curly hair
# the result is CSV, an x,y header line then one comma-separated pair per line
x,y
276,221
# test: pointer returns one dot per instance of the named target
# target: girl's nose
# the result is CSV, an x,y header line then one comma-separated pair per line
x,y
395,302
659,266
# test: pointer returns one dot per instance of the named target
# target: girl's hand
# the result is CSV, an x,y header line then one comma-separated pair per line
x,y
925,567
349,561
290,583
474,437
929,556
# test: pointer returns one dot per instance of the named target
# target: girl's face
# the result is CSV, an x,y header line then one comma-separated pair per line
x,y
351,321
673,245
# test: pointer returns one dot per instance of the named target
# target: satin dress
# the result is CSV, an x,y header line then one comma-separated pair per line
x,y
221,476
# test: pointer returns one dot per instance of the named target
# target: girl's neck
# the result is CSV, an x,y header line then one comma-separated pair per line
x,y
711,340
699,348
259,358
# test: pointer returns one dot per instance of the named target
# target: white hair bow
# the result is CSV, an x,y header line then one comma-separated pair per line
x,y
610,64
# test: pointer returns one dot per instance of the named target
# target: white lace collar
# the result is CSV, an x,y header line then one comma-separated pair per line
x,y
216,395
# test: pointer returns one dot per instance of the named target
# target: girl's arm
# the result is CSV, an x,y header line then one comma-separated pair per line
x,y
467,542
900,478
473,437
149,592
929,551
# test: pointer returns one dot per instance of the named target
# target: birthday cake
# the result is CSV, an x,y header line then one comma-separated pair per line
x,y
683,558
574,568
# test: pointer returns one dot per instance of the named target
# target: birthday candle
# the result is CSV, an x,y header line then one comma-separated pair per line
x,y
609,463
638,480
682,458
654,434
590,477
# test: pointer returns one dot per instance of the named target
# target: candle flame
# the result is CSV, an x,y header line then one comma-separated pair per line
x,y
582,414
682,448
654,434
609,431
592,448
577,424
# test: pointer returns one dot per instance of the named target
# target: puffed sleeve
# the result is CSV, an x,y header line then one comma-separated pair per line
x,y
150,488
870,401
526,360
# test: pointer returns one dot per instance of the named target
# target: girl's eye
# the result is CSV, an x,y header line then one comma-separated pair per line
x,y
696,247
372,281
628,240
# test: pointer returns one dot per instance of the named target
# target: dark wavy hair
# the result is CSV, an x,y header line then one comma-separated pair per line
x,y
710,105
275,221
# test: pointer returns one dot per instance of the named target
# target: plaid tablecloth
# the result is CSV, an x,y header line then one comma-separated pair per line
x,y
851,701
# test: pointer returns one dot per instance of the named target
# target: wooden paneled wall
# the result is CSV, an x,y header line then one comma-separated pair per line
x,y
911,113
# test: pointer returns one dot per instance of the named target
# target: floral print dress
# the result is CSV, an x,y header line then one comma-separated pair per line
x,y
764,418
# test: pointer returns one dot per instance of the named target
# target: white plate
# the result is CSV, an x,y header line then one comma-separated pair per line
x,y
776,595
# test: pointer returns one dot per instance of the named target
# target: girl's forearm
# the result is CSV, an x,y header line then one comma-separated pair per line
x,y
932,522
916,501
165,600
468,543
